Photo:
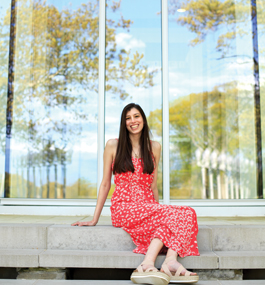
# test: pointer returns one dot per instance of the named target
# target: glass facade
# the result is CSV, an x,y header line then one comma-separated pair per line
x,y
49,75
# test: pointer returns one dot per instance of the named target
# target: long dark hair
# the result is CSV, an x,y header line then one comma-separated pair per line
x,y
123,159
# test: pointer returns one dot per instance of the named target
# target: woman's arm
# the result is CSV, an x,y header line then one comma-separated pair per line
x,y
109,154
156,148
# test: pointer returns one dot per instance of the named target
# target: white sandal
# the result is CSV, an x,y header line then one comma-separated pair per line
x,y
149,276
176,277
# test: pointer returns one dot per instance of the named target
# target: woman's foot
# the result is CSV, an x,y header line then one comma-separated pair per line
x,y
148,274
174,265
177,273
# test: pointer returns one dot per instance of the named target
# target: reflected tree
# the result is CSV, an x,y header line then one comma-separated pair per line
x,y
188,155
56,67
228,20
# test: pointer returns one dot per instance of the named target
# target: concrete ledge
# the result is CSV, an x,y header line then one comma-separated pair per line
x,y
241,259
19,257
116,259
111,238
23,236
105,238
204,238
42,236
238,238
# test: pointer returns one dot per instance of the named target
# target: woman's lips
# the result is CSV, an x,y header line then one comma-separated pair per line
x,y
134,127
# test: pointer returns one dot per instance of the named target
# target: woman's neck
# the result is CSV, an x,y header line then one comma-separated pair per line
x,y
135,140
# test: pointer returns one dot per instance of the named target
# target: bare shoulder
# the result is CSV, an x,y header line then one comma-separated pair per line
x,y
112,143
156,147
111,147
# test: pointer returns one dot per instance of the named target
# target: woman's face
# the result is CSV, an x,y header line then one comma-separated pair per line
x,y
134,121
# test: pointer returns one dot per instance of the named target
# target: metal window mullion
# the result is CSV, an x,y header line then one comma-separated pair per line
x,y
166,174
101,89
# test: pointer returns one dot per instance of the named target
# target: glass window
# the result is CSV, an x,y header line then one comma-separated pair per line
x,y
4,59
49,59
133,65
53,150
259,33
213,151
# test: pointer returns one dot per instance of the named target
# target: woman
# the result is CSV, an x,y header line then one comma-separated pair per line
x,y
135,207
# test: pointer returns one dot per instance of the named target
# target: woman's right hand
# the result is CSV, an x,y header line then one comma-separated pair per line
x,y
81,224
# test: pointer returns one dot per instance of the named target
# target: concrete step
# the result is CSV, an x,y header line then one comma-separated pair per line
x,y
126,259
118,282
108,238
116,259
48,245
92,259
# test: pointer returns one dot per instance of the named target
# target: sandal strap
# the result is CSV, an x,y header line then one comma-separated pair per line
x,y
166,269
153,269
187,273
147,262
180,269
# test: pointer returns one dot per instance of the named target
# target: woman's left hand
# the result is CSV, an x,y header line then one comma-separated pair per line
x,y
81,224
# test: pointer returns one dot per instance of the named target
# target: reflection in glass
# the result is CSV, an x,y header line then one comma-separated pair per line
x,y
133,64
261,48
4,58
212,101
54,130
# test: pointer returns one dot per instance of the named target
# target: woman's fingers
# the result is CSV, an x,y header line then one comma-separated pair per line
x,y
81,224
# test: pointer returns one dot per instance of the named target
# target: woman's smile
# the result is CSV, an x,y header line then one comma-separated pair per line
x,y
134,127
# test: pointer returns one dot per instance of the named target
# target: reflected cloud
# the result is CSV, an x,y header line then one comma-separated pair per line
x,y
127,41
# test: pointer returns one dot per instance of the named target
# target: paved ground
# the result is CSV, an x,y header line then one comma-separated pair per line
x,y
107,282
107,220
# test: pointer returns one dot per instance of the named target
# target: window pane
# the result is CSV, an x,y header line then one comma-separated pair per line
x,y
261,53
212,108
4,56
54,130
133,65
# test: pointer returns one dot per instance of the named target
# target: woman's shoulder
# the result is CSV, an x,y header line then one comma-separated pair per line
x,y
111,147
156,146
112,144
156,149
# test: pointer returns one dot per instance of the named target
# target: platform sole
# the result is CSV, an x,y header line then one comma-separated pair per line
x,y
184,279
155,278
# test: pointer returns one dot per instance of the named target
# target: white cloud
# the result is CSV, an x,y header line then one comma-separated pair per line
x,y
127,41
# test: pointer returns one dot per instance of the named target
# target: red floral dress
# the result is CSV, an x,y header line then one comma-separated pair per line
x,y
134,209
